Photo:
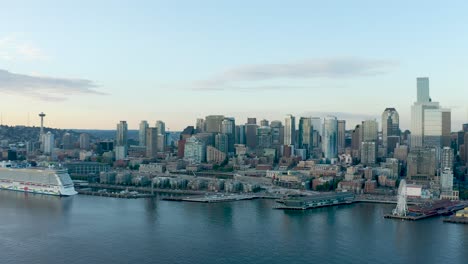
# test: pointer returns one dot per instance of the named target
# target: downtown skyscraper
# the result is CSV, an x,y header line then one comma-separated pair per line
x,y
390,129
330,137
289,130
430,124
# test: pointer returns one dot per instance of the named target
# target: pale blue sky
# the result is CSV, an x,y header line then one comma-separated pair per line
x,y
179,60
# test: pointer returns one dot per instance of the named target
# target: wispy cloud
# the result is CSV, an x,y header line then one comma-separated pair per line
x,y
45,88
13,48
236,78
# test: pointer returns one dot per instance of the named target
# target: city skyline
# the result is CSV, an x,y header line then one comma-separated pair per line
x,y
159,66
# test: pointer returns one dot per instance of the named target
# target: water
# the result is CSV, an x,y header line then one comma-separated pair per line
x,y
87,229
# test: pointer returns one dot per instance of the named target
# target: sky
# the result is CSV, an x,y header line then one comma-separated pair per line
x,y
90,64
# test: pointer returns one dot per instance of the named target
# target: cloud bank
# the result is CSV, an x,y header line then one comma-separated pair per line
x,y
45,88
235,79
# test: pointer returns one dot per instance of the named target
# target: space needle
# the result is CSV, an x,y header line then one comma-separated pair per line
x,y
41,115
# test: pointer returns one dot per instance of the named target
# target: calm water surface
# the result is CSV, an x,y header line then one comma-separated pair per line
x,y
87,229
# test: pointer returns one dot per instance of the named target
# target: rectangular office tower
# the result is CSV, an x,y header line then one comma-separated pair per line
x,y
430,124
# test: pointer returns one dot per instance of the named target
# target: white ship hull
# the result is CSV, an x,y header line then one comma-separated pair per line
x,y
37,188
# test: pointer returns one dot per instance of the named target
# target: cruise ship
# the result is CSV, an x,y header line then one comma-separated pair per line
x,y
37,180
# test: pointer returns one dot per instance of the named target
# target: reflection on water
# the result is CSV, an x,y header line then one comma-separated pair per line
x,y
54,205
89,229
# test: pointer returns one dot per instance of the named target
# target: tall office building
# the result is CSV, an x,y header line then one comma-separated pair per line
x,y
200,126
356,138
305,134
222,142
370,130
264,137
317,124
289,130
142,132
84,141
240,134
213,123
121,136
390,127
228,127
251,120
251,133
341,136
430,124
264,122
330,137
151,142
437,127
277,133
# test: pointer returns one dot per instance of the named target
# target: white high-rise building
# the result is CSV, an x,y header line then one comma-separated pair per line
x,y
289,130
330,137
446,181
49,142
142,132
84,141
446,158
120,152
194,151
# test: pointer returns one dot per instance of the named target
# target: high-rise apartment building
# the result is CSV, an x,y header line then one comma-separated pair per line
x,y
289,130
330,137
142,132
368,153
194,151
446,158
49,142
67,141
121,136
84,141
161,126
121,147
